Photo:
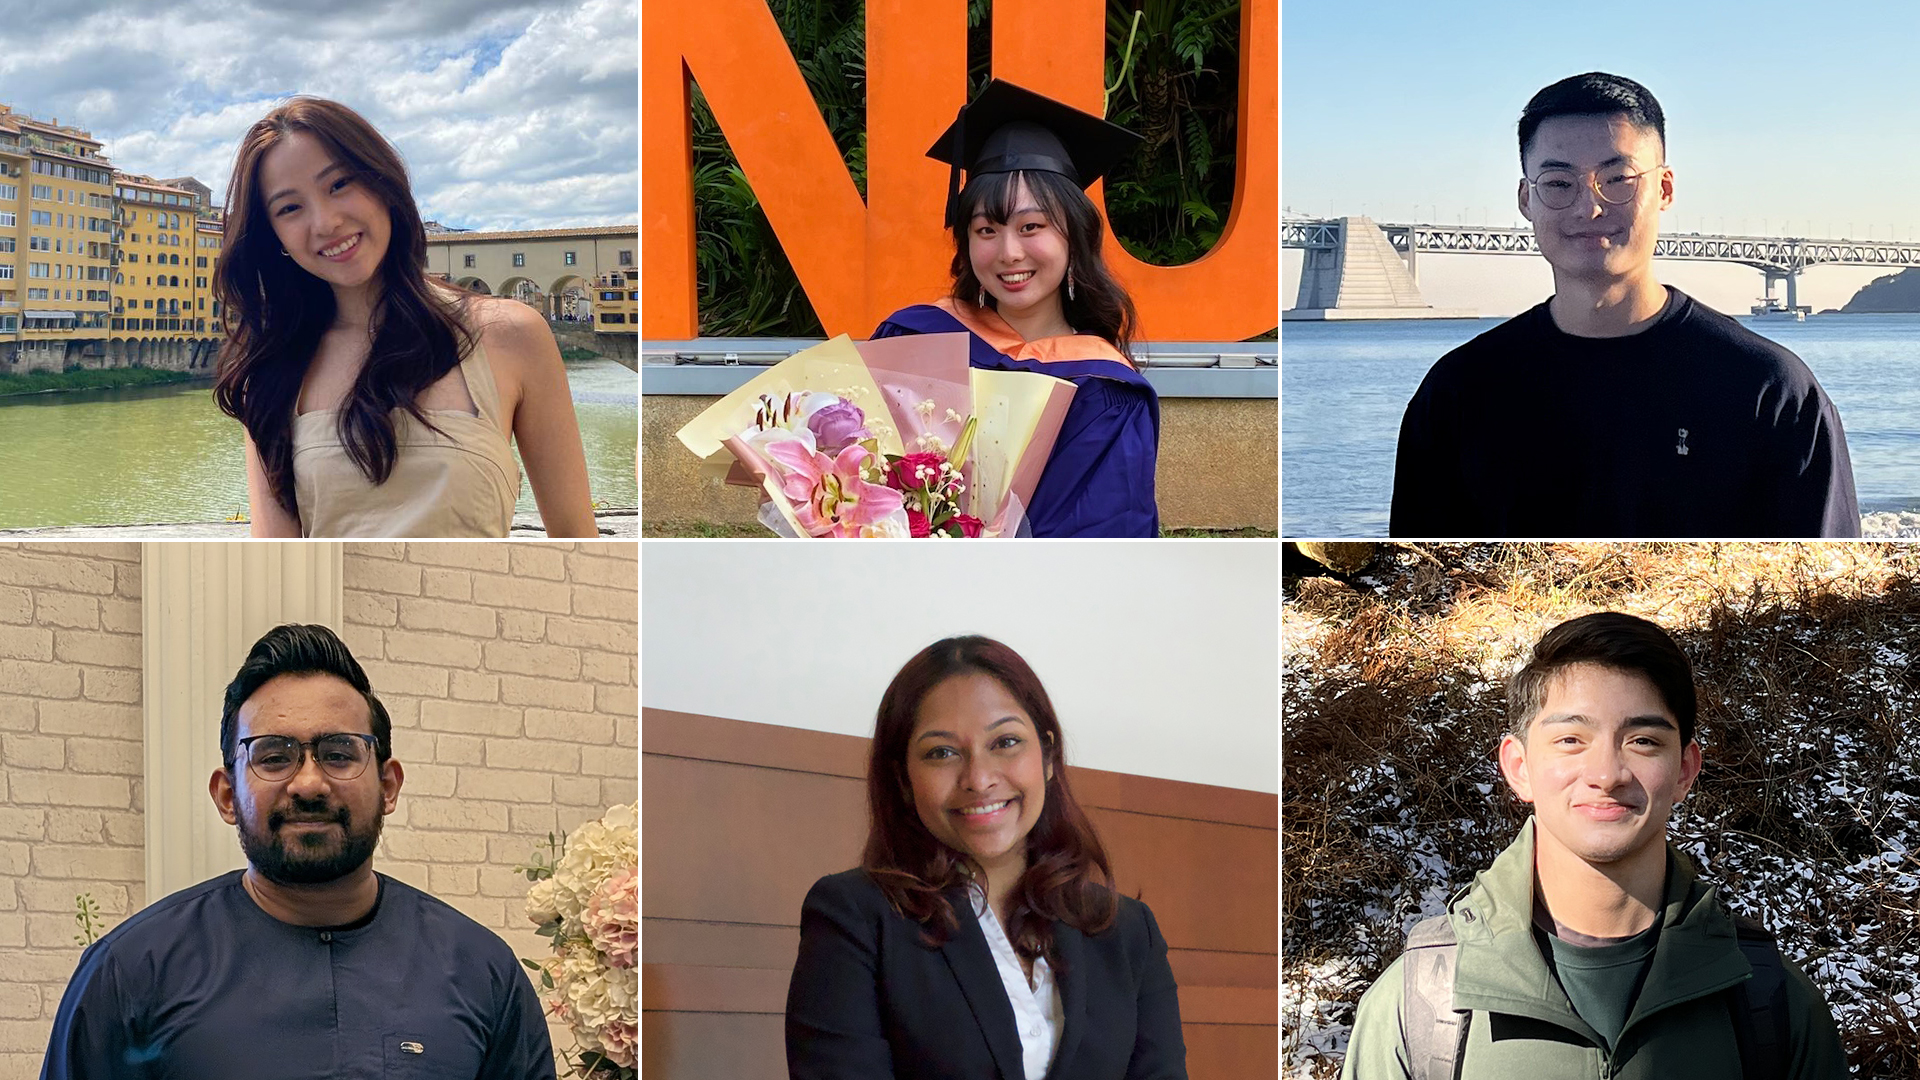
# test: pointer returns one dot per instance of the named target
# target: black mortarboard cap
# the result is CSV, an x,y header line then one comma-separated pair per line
x,y
1009,128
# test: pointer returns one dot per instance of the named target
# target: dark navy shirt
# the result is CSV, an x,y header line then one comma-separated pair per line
x,y
1693,428
203,985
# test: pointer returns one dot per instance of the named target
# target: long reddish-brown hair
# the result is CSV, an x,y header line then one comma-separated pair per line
x,y
1068,877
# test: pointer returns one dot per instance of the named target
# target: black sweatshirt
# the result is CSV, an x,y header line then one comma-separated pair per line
x,y
1695,427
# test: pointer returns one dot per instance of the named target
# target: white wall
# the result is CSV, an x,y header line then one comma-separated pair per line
x,y
1160,656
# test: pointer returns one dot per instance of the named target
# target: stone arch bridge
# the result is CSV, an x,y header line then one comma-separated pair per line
x,y
541,265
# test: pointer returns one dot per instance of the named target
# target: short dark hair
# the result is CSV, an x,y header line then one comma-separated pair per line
x,y
1594,94
1608,639
299,649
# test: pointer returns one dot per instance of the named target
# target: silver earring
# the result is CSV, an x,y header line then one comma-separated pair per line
x,y
1069,282
983,297
283,251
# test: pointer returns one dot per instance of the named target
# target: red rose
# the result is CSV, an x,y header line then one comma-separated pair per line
x,y
902,476
917,525
969,525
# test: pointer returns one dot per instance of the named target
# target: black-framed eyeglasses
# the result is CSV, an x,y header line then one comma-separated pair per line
x,y
342,756
1558,189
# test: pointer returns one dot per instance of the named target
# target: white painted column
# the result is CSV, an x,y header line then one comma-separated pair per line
x,y
204,604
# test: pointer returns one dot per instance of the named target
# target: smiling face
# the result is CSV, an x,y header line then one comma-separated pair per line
x,y
1594,239
978,771
308,828
327,219
1603,766
1023,261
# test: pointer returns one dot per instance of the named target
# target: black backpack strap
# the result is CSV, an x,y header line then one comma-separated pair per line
x,y
1759,1005
1435,1034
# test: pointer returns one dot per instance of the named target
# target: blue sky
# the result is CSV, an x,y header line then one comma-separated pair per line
x,y
1802,116
1788,119
509,113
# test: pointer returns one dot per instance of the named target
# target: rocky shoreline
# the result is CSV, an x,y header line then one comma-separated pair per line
x,y
1890,525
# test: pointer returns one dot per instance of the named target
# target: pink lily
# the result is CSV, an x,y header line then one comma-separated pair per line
x,y
829,496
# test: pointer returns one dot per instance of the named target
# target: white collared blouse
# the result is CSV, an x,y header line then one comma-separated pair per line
x,y
1037,1011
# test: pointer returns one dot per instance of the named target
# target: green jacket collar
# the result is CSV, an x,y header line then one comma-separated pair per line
x,y
1500,969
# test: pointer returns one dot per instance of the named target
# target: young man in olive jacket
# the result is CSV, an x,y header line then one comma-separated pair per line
x,y
1589,948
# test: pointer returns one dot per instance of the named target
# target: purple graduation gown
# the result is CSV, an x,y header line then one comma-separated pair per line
x,y
1099,479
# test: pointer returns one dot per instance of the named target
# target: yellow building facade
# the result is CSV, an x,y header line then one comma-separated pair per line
x,y
56,246
153,280
207,234
616,303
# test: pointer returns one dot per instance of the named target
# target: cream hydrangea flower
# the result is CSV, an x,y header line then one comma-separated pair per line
x,y
541,904
594,894
594,851
602,1003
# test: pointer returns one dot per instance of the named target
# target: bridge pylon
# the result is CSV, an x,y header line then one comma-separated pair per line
x,y
1351,271
1792,279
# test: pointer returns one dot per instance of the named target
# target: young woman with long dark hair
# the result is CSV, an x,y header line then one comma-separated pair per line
x,y
1031,286
982,935
378,401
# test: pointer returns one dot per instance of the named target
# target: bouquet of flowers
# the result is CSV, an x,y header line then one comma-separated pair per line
x,y
587,902
894,437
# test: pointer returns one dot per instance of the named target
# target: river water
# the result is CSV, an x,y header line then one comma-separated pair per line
x,y
1344,386
166,454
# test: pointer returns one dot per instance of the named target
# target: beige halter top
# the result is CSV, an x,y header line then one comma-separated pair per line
x,y
461,481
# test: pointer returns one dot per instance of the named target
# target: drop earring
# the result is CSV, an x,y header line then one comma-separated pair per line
x,y
983,297
1069,282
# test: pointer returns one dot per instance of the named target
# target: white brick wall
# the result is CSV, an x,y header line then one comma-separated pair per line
x,y
70,770
510,671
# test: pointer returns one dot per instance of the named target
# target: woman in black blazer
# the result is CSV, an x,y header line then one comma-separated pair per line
x,y
981,938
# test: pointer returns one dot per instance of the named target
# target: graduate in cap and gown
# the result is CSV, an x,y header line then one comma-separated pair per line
x,y
1031,287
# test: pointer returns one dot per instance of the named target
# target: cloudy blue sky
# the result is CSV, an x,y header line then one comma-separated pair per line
x,y
511,114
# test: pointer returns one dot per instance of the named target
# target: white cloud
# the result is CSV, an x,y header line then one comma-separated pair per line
x,y
509,113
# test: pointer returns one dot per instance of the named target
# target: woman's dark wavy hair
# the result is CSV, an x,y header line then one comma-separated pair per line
x,y
274,313
1068,876
1099,305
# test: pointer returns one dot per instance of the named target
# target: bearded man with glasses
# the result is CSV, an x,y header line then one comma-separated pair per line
x,y
307,965
1620,407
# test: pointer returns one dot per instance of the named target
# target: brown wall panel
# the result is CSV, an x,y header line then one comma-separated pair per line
x,y
740,819
713,1046
1210,886
677,941
1229,1052
1228,1004
678,734
686,988
734,843
1175,798
1195,967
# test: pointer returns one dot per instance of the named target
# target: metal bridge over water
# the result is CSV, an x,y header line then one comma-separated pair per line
x,y
1780,258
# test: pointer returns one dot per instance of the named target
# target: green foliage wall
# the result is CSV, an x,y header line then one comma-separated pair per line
x,y
1167,204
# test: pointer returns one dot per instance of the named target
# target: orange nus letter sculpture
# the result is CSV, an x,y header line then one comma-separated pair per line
x,y
860,261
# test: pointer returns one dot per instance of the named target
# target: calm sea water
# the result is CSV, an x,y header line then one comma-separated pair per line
x,y
166,454
1344,386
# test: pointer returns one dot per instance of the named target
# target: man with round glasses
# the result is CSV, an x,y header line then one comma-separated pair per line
x,y
1620,407
306,965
